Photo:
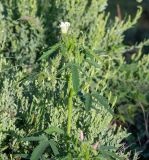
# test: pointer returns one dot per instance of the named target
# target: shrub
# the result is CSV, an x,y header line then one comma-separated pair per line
x,y
74,75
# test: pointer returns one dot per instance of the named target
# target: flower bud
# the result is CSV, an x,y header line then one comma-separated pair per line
x,y
81,136
95,146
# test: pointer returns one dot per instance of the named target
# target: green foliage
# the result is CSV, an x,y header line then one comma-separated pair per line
x,y
20,40
70,85
38,151
75,77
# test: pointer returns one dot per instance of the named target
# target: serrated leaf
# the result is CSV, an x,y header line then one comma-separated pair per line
x,y
103,101
49,52
53,129
39,150
53,146
88,101
75,77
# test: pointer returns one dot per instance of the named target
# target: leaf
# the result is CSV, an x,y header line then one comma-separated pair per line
x,y
103,156
53,146
30,77
3,148
63,68
49,52
107,148
54,129
39,150
32,21
25,156
40,138
93,63
103,101
88,101
111,154
42,76
75,77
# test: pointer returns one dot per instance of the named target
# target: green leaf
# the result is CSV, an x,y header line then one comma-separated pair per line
x,y
30,77
40,138
63,68
53,146
25,156
39,150
103,101
103,156
88,101
93,63
107,148
41,76
54,129
75,77
50,51
111,154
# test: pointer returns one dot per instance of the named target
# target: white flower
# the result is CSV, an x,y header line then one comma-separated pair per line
x,y
64,27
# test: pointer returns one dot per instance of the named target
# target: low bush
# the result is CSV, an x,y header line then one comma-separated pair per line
x,y
60,102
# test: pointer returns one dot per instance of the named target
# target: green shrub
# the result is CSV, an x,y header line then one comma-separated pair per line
x,y
21,39
83,67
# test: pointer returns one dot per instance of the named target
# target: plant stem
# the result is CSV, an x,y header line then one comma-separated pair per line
x,y
69,121
70,109
70,106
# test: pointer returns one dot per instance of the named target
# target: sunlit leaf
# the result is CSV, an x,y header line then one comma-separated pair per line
x,y
54,130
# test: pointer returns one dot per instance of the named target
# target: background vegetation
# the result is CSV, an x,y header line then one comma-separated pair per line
x,y
80,95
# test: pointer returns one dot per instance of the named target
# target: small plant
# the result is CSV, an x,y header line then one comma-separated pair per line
x,y
74,56
64,98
